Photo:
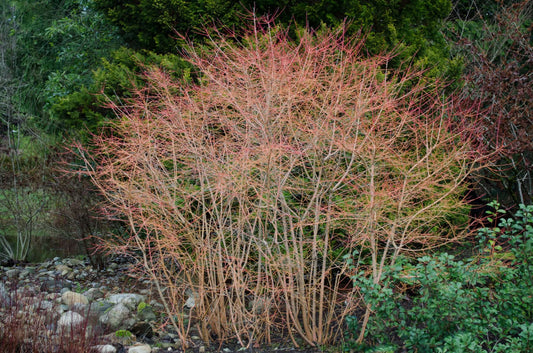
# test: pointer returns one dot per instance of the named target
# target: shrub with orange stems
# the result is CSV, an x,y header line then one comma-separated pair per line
x,y
251,188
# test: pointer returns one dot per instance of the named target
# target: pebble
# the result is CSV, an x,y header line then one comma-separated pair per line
x,y
70,319
142,348
105,348
70,298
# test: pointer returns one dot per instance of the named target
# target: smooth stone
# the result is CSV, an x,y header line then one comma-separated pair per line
x,y
142,348
82,309
165,345
93,294
95,310
104,348
63,269
12,273
44,305
73,262
70,319
193,298
117,318
26,272
72,298
71,275
146,314
100,306
129,299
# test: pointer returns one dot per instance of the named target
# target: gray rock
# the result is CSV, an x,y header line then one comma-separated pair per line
x,y
81,276
157,306
72,298
166,345
71,275
145,292
30,269
141,348
119,317
3,291
146,314
128,299
26,272
100,306
73,262
104,348
69,320
82,309
96,309
93,294
193,298
63,269
43,305
51,285
14,272
45,264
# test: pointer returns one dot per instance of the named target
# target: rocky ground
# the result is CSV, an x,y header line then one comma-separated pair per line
x,y
123,310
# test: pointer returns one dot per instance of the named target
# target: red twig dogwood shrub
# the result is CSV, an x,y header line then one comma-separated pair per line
x,y
249,189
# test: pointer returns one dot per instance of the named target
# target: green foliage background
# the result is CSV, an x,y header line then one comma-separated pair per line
x,y
58,45
66,57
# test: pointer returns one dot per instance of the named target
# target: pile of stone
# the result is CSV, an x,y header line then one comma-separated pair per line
x,y
73,294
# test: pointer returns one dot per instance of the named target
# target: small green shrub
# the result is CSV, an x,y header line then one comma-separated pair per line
x,y
442,304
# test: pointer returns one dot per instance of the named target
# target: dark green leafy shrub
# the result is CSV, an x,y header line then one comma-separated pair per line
x,y
114,81
443,304
410,27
